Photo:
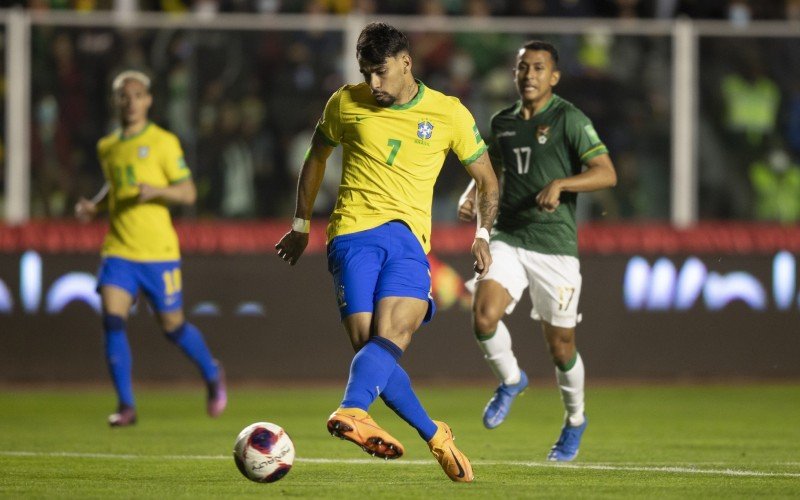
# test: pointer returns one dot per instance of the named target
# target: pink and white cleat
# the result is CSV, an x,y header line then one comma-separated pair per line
x,y
217,394
125,416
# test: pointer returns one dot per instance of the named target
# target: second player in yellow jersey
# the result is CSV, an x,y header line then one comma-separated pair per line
x,y
141,231
145,172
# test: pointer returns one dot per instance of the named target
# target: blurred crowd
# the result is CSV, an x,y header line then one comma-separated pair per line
x,y
738,10
245,103
749,130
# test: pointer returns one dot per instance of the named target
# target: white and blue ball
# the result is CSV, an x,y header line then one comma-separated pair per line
x,y
263,452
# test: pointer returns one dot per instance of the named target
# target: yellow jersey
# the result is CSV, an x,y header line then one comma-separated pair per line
x,y
392,156
141,231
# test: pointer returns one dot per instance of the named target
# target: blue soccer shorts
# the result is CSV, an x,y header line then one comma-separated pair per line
x,y
159,281
386,261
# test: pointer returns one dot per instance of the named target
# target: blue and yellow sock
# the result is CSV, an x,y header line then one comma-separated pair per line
x,y
118,357
369,372
401,398
191,342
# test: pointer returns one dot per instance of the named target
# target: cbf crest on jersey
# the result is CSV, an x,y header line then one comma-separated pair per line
x,y
143,151
424,130
542,133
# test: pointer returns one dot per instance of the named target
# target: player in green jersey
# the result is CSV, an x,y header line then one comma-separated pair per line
x,y
542,144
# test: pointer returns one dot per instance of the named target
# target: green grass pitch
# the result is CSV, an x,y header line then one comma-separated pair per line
x,y
643,441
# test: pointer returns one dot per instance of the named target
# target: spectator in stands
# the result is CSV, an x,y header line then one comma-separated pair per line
x,y
776,186
235,165
751,101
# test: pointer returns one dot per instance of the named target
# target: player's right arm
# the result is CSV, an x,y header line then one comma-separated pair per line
x,y
85,210
467,205
487,194
294,243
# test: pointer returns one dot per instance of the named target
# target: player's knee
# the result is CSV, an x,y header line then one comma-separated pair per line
x,y
484,326
358,343
562,353
173,332
400,333
171,322
482,336
485,319
113,323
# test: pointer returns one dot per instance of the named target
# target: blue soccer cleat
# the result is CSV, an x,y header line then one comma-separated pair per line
x,y
498,407
566,448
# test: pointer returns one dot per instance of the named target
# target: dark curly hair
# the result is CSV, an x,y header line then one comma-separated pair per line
x,y
378,41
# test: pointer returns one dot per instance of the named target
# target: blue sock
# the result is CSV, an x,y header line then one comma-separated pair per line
x,y
400,397
191,342
118,357
370,370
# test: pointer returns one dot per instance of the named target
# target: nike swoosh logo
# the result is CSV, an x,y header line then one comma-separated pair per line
x,y
360,118
458,464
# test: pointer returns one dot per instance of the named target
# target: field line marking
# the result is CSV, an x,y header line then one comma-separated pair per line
x,y
579,466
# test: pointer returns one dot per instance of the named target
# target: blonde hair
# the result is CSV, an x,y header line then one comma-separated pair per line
x,y
120,79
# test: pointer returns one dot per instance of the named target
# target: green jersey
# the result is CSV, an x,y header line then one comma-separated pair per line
x,y
555,143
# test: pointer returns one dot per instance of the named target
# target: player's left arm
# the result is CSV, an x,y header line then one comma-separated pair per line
x,y
582,139
487,197
181,189
599,174
183,192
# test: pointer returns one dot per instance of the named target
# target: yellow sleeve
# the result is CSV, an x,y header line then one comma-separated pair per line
x,y
101,155
467,142
174,164
330,125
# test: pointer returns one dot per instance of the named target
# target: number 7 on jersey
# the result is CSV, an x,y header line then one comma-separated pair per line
x,y
395,144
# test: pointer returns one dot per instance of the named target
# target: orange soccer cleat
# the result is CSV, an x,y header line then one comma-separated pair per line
x,y
455,464
355,425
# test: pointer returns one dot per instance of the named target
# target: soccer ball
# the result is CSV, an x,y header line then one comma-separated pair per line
x,y
263,452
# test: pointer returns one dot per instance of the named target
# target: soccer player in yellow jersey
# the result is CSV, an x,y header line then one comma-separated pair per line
x,y
395,133
145,172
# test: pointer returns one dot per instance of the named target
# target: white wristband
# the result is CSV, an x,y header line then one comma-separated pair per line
x,y
483,234
301,225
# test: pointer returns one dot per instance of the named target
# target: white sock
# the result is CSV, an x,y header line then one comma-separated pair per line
x,y
498,353
570,383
